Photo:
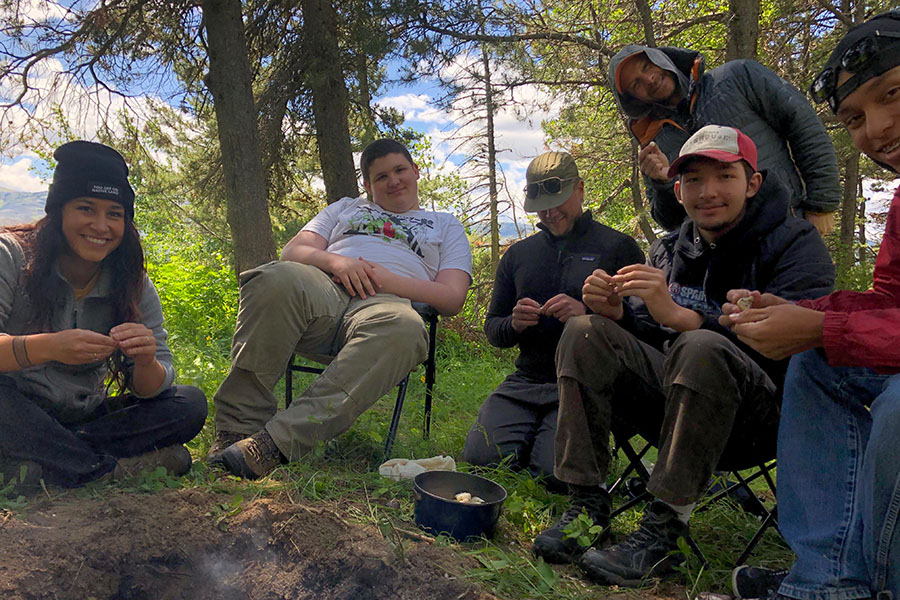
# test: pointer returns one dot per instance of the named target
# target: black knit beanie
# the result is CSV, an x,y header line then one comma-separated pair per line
x,y
89,169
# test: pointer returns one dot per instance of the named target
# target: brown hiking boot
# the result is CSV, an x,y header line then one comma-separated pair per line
x,y
252,457
222,441
175,458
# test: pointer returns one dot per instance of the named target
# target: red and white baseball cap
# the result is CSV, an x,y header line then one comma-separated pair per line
x,y
725,144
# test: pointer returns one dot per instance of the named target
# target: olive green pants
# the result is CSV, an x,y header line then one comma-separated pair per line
x,y
286,307
705,405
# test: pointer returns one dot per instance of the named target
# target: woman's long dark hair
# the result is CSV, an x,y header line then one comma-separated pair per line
x,y
43,242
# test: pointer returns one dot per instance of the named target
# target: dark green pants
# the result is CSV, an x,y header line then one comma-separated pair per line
x,y
704,404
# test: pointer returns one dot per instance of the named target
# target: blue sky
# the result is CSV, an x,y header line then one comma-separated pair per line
x,y
518,140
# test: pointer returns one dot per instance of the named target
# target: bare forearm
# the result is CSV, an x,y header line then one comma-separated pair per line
x,y
445,298
147,378
32,350
308,255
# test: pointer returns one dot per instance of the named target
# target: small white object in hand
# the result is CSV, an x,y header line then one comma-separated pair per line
x,y
745,302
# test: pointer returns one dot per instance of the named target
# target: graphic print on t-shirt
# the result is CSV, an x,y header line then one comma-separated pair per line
x,y
693,298
391,228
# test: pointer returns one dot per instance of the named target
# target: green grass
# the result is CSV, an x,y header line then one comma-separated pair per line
x,y
343,472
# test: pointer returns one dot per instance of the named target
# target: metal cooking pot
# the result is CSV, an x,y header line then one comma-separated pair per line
x,y
437,512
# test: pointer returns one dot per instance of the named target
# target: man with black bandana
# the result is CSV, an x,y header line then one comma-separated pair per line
x,y
838,442
667,97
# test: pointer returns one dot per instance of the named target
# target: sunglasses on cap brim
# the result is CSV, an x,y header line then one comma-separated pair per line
x,y
872,53
551,185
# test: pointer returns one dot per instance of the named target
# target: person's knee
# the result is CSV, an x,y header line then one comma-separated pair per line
x,y
586,341
483,449
478,450
886,407
194,407
700,352
404,328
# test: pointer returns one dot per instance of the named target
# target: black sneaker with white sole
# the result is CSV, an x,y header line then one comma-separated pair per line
x,y
751,583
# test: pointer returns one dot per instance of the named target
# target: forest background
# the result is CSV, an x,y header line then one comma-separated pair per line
x,y
241,120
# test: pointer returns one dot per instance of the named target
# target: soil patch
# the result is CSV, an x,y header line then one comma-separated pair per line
x,y
168,546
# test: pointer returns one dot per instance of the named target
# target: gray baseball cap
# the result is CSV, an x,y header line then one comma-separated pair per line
x,y
550,180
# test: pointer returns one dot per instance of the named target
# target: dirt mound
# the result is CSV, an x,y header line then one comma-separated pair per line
x,y
168,546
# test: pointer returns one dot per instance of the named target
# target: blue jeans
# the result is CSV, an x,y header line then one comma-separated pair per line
x,y
839,480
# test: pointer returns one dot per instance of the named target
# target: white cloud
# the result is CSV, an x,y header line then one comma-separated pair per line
x,y
36,11
517,139
18,176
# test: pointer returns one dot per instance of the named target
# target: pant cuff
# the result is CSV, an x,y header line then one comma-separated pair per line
x,y
806,592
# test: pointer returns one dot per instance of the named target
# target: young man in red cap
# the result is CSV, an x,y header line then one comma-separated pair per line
x,y
661,365
839,439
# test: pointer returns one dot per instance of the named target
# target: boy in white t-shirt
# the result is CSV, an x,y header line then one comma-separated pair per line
x,y
342,289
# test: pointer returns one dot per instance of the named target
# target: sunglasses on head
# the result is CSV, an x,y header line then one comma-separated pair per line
x,y
551,185
855,58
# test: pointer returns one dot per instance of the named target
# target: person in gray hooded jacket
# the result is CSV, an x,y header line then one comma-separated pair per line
x,y
79,316
667,96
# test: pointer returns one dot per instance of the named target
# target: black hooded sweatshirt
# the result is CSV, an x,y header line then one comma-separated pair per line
x,y
767,251
540,267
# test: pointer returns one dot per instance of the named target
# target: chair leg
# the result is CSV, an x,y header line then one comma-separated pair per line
x,y
429,376
770,521
289,384
395,418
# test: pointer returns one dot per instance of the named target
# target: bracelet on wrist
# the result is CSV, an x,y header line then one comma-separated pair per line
x,y
20,352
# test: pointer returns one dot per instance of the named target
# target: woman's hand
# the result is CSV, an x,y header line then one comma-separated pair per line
x,y
81,346
136,341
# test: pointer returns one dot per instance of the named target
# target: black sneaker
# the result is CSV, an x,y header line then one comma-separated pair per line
x,y
552,544
252,457
749,583
651,551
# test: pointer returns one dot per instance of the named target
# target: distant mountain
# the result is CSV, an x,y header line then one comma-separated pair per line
x,y
21,207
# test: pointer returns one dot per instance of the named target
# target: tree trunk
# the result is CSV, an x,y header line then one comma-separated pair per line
x,y
492,160
643,8
365,99
330,105
229,82
637,200
849,206
743,29
861,232
849,199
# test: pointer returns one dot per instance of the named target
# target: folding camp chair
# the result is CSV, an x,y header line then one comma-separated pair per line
x,y
430,315
635,477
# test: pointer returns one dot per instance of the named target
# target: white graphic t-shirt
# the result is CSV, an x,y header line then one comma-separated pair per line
x,y
416,243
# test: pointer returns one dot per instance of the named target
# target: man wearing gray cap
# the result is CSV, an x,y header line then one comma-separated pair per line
x,y
537,289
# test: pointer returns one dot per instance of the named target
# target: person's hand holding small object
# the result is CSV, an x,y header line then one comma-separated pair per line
x,y
563,307
526,313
